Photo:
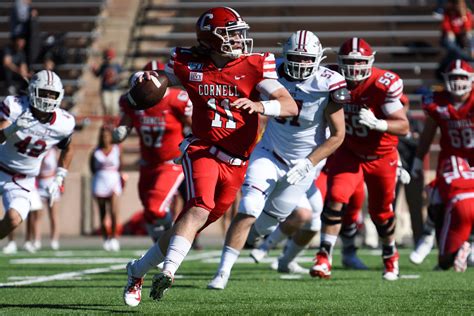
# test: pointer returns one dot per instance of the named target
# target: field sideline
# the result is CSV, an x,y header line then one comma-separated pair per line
x,y
90,281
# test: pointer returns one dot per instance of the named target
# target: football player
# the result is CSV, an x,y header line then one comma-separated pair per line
x,y
160,129
374,118
31,125
452,111
292,151
224,81
455,182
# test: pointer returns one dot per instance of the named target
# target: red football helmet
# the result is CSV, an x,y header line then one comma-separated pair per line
x,y
154,65
458,77
355,59
223,30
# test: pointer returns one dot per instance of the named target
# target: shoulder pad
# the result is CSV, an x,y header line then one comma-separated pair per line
x,y
341,96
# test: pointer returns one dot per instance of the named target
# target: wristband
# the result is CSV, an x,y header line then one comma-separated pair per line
x,y
271,107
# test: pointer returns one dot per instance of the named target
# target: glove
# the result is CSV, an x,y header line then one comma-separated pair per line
x,y
24,121
54,188
402,174
297,173
367,118
119,134
416,168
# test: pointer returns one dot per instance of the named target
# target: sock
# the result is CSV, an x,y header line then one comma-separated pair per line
x,y
177,250
148,261
292,250
389,249
228,258
328,242
273,239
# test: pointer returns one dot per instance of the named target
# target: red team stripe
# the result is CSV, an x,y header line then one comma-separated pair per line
x,y
5,109
337,85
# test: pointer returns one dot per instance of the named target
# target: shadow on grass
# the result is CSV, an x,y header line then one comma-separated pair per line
x,y
78,307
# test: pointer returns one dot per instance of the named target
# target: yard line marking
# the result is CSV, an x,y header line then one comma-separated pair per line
x,y
21,278
69,260
64,276
291,277
410,276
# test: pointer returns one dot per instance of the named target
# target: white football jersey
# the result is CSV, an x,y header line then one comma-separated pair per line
x,y
24,150
296,137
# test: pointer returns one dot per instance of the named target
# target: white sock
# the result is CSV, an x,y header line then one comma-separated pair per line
x,y
273,239
228,258
177,250
150,260
292,250
329,239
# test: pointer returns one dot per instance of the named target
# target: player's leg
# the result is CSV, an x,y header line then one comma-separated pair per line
x,y
16,202
260,180
454,247
380,177
349,229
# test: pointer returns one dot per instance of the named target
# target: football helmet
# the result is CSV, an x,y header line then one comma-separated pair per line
x,y
45,91
458,77
222,29
352,51
154,65
302,43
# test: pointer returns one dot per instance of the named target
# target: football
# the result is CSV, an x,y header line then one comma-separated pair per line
x,y
147,93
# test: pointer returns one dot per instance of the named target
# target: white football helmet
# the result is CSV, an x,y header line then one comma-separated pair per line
x,y
45,91
302,43
458,77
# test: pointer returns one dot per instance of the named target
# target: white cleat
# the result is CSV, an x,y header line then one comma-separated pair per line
x,y
423,249
114,245
160,284
132,293
29,247
460,261
258,254
10,248
219,282
54,244
293,268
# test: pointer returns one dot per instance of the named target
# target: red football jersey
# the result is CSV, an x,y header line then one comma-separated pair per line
x,y
455,178
381,87
456,125
212,90
161,127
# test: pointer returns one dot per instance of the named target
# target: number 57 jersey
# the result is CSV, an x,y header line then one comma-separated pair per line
x,y
456,124
23,151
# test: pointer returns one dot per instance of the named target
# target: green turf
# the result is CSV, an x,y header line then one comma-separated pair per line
x,y
253,289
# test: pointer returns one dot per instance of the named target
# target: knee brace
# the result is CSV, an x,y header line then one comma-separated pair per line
x,y
332,217
349,231
387,229
266,223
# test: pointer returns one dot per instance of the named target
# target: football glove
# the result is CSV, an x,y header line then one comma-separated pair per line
x,y
402,174
54,188
24,121
300,169
119,134
367,118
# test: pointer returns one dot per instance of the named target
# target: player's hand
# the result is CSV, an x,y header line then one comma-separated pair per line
x,y
300,169
417,168
248,105
141,76
367,118
119,134
54,188
24,121
402,174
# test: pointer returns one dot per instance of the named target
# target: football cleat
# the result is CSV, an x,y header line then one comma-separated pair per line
x,y
258,254
322,266
10,248
391,272
219,282
160,284
423,249
350,260
132,293
293,268
460,261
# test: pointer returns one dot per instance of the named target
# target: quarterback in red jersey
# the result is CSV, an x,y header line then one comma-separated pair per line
x,y
224,81
456,184
374,119
160,129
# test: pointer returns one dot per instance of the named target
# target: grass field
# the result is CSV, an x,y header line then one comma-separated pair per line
x,y
91,282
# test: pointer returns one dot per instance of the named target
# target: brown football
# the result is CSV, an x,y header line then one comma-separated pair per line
x,y
147,93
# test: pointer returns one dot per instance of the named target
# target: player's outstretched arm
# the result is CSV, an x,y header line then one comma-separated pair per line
x,y
120,133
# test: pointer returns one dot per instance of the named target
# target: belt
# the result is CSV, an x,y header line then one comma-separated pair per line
x,y
226,157
368,157
280,159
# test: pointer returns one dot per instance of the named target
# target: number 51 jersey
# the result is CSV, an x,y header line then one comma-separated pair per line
x,y
24,150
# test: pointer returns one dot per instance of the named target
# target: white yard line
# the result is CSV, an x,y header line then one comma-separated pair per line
x,y
78,274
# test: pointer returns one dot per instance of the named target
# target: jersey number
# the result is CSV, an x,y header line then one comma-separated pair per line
x,y
217,120
152,135
354,127
461,138
386,78
37,149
